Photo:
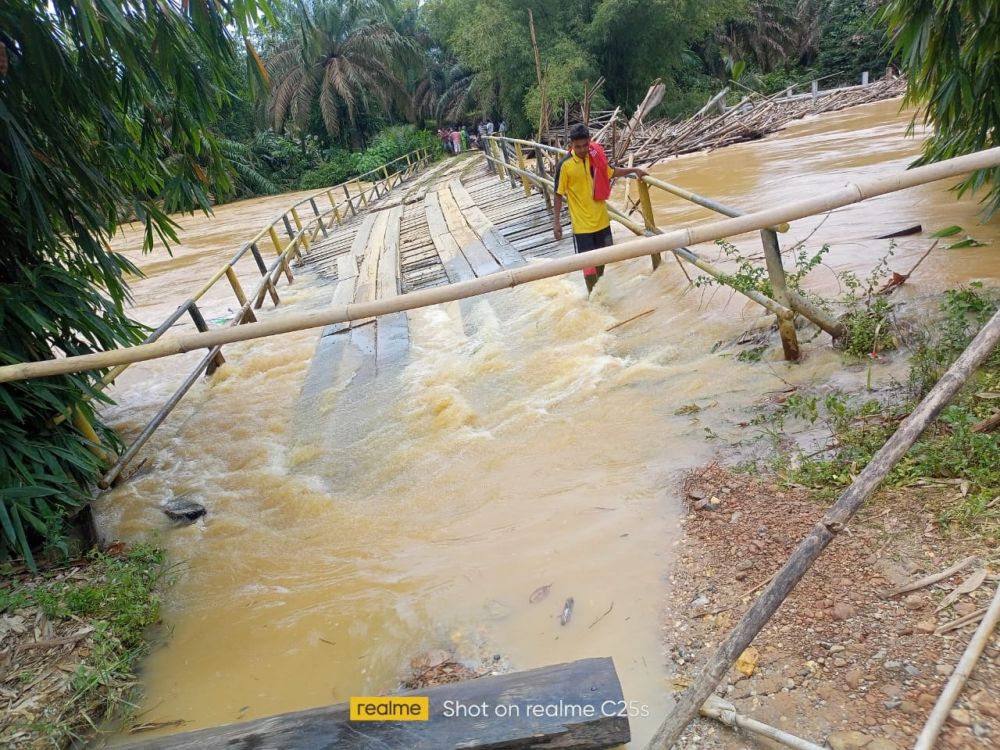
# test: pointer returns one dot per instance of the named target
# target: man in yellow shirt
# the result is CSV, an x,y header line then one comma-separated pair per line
x,y
574,180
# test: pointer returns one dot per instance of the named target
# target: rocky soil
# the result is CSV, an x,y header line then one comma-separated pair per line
x,y
838,664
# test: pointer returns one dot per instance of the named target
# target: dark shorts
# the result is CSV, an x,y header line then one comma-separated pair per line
x,y
593,240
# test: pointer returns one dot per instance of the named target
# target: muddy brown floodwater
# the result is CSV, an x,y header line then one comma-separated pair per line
x,y
521,443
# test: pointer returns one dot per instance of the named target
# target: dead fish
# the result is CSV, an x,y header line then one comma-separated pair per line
x,y
567,611
540,593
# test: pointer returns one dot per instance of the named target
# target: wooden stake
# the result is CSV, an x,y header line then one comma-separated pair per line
x,y
234,282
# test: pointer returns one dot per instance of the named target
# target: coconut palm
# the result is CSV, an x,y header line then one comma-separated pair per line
x,y
344,53
765,35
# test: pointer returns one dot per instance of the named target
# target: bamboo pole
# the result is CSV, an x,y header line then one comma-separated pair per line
x,y
86,429
298,226
672,241
199,322
647,216
234,282
701,200
725,712
779,288
364,200
832,523
962,672
319,216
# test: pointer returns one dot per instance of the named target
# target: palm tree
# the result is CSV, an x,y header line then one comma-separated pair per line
x,y
764,36
346,52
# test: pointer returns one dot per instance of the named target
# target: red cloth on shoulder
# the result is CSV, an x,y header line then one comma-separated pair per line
x,y
599,166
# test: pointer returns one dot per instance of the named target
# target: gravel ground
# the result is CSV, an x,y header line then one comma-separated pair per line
x,y
838,664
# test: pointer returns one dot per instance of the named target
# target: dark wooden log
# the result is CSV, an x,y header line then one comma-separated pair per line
x,y
585,697
915,229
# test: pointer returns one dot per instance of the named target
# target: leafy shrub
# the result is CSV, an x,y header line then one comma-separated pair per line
x,y
336,170
394,142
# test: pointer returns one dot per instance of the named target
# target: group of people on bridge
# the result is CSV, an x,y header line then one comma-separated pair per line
x,y
459,138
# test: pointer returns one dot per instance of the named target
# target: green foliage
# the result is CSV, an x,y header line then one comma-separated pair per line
x,y
950,54
868,314
336,169
949,449
853,41
393,143
117,597
964,311
105,110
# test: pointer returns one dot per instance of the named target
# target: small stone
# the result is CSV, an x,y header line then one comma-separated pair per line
x,y
184,511
696,493
960,716
836,648
893,664
853,678
944,670
911,670
842,611
711,503
744,565
840,663
909,707
926,700
925,626
986,705
980,730
848,740
892,703
824,691
965,608
914,602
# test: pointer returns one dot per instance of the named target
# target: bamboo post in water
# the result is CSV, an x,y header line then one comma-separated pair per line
x,y
779,290
86,429
673,241
350,202
279,249
319,217
648,218
263,272
361,193
298,226
333,204
199,322
241,296
288,226
833,522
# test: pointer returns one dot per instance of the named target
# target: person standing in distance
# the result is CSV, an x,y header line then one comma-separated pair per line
x,y
583,178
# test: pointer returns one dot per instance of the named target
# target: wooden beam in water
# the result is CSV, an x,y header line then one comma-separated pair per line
x,y
580,694
455,264
494,241
472,247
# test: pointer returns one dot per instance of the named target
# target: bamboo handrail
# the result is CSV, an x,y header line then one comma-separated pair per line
x,y
668,241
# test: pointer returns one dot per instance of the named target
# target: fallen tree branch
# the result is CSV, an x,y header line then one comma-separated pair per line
x,y
928,580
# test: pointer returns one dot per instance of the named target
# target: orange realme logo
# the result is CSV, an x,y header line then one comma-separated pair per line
x,y
390,708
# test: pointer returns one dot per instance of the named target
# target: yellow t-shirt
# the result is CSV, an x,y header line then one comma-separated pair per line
x,y
575,183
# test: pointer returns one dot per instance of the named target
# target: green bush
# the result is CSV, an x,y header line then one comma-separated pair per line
x,y
332,172
394,142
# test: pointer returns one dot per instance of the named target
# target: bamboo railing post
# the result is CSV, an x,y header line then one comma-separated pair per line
x,y
263,272
521,164
319,218
779,288
279,249
504,152
199,322
288,225
241,296
540,168
350,202
361,193
495,150
333,205
648,218
832,523
298,226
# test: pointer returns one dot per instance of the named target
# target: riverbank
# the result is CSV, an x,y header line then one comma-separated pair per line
x,y
841,662
71,637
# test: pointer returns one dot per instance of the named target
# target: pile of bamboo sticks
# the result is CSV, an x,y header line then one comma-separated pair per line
x,y
753,118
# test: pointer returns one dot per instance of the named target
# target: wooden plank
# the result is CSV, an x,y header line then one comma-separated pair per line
x,y
472,247
360,242
368,270
504,253
580,693
392,332
388,269
455,264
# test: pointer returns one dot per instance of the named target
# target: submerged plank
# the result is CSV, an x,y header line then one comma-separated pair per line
x,y
455,264
583,699
472,247
505,253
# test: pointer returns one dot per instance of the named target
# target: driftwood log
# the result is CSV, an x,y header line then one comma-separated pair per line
x,y
585,696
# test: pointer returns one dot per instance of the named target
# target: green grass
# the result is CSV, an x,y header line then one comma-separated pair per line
x,y
858,425
117,596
